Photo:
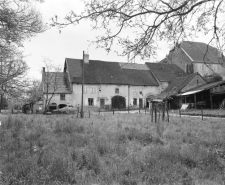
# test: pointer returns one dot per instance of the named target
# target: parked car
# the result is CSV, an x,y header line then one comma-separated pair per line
x,y
68,109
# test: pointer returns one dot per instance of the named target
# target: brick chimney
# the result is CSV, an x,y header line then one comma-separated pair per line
x,y
86,58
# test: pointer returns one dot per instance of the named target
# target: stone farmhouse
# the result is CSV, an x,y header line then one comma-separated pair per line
x,y
198,57
108,85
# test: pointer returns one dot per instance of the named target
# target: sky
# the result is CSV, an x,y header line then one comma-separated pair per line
x,y
70,43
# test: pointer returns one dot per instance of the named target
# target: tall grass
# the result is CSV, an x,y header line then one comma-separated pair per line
x,y
110,149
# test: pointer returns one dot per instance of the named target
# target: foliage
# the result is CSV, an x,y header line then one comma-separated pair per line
x,y
13,70
19,21
138,25
4,102
64,150
34,92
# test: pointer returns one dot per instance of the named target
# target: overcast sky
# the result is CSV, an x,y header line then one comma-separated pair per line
x,y
70,43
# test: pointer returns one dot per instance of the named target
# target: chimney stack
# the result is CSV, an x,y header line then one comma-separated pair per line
x,y
43,69
86,58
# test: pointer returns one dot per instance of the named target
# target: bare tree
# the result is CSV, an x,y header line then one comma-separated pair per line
x,y
12,72
18,21
34,91
15,99
138,25
50,83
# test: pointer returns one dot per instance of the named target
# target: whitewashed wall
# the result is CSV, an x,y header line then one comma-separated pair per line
x,y
108,91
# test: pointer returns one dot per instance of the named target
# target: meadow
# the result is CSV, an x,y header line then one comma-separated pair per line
x,y
120,149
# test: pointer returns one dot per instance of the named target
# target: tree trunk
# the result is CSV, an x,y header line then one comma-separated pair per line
x,y
1,103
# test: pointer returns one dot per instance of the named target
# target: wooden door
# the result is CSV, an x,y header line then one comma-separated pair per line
x,y
102,103
118,102
141,103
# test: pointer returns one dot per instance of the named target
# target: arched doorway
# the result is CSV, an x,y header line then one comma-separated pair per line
x,y
118,102
62,105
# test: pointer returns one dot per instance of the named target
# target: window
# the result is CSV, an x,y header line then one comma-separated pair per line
x,y
135,92
91,101
117,90
135,101
62,97
93,90
85,90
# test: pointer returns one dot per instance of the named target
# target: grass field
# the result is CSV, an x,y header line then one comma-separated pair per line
x,y
120,149
206,112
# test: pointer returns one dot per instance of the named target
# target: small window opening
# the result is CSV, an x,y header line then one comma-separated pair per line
x,y
117,90
91,101
62,97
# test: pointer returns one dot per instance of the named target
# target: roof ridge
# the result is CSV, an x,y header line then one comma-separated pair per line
x,y
94,60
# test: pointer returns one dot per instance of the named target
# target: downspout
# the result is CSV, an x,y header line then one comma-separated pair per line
x,y
82,91
128,98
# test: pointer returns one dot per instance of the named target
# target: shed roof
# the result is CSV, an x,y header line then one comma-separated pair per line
x,y
179,83
102,72
208,86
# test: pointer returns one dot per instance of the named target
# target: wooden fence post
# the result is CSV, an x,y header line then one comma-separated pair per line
x,y
163,112
77,112
168,117
202,112
159,116
152,112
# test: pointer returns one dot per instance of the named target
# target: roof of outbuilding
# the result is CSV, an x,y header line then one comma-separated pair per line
x,y
208,86
101,72
179,83
165,72
200,52
57,82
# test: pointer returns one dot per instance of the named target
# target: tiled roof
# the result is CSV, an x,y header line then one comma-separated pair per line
x,y
57,82
208,86
201,52
179,83
165,61
165,72
134,66
101,72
